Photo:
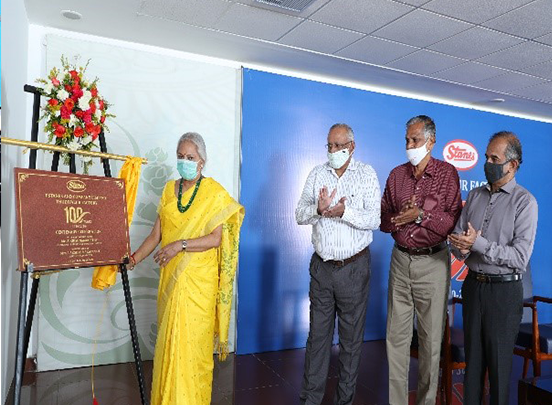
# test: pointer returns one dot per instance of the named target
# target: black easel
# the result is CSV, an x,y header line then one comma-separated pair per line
x,y
25,322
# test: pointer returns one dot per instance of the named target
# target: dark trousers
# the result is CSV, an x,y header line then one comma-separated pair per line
x,y
492,314
342,290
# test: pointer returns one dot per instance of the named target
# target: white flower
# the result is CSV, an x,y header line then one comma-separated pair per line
x,y
57,113
48,88
73,120
61,74
87,94
98,114
84,103
73,145
87,159
86,139
62,95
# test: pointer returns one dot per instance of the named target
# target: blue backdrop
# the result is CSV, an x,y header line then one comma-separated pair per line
x,y
285,124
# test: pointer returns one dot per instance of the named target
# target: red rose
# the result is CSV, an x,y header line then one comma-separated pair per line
x,y
55,81
87,116
101,103
102,120
92,107
79,114
77,92
69,104
98,129
74,74
53,101
68,88
65,113
94,91
78,132
60,131
90,128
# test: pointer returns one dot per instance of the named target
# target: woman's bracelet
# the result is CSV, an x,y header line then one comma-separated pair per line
x,y
133,259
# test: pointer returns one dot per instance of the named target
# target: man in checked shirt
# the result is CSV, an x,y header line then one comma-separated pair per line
x,y
420,206
341,200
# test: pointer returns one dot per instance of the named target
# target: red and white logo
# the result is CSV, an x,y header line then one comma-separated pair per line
x,y
461,154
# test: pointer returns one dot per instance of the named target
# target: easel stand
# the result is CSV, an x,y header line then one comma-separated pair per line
x,y
26,315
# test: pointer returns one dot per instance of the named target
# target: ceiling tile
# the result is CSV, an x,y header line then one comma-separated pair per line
x,y
475,11
360,15
320,37
416,3
530,21
375,50
519,56
508,81
421,28
425,62
203,13
256,22
469,73
475,42
539,92
542,70
545,39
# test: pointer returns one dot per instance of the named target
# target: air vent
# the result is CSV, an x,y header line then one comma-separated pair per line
x,y
292,5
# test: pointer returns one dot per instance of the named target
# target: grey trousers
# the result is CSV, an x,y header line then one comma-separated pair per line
x,y
420,284
342,290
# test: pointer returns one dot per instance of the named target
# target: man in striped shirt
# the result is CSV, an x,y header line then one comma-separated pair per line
x,y
341,200
420,206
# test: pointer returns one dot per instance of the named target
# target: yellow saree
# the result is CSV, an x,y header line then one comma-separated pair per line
x,y
195,294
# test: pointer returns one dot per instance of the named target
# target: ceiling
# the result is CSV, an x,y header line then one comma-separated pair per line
x,y
469,51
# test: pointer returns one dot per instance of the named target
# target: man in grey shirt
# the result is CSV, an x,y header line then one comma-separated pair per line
x,y
495,236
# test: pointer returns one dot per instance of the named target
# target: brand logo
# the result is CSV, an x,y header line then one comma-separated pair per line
x,y
75,215
76,186
461,154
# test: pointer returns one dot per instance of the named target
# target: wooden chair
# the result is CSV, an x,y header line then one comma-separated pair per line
x,y
534,341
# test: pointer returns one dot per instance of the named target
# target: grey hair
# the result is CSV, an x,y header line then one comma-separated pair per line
x,y
350,133
429,125
513,150
197,140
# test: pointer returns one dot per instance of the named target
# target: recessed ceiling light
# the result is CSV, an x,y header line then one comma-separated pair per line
x,y
497,100
71,15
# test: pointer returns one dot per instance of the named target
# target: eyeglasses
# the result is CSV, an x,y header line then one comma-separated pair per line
x,y
337,146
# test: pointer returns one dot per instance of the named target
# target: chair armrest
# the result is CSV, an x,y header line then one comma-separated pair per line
x,y
530,304
538,298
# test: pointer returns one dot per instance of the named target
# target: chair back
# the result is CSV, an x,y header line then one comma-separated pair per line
x,y
527,282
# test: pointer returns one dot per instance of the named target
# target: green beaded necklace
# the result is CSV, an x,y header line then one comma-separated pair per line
x,y
179,204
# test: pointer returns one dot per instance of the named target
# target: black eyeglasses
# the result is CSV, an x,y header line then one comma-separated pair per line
x,y
337,146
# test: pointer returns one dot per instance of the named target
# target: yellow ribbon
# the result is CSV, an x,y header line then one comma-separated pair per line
x,y
105,276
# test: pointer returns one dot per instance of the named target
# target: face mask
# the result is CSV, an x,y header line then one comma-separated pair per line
x,y
339,158
416,155
187,169
494,171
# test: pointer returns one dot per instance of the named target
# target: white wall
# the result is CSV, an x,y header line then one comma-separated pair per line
x,y
15,124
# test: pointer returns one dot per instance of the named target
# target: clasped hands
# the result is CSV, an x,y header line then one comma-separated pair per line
x,y
465,240
409,213
324,202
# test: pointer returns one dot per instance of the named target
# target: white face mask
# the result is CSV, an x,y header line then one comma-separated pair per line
x,y
339,158
416,155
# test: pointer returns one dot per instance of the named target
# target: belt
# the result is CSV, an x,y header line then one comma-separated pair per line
x,y
351,259
422,251
494,278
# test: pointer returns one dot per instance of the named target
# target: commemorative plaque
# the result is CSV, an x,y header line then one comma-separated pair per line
x,y
69,220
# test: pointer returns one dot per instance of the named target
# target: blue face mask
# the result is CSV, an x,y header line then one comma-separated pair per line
x,y
187,168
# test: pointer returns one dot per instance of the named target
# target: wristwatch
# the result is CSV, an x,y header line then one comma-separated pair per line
x,y
184,244
420,217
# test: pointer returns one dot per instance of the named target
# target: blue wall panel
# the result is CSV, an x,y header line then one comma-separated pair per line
x,y
285,124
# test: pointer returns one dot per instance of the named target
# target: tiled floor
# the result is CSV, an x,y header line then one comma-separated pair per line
x,y
259,379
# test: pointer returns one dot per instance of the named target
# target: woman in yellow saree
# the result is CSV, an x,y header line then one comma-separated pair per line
x,y
198,227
